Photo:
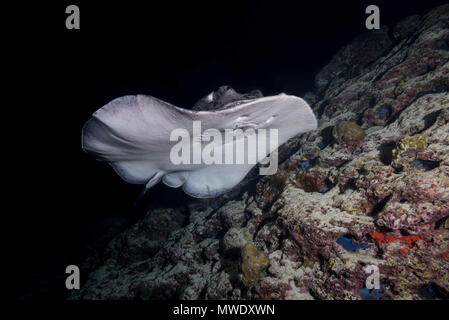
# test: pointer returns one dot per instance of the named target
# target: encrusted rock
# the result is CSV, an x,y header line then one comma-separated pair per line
x,y
349,133
253,263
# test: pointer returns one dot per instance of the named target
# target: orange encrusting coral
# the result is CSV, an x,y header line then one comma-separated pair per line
x,y
384,238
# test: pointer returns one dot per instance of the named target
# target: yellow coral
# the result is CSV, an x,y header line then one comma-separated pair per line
x,y
352,210
406,295
417,142
446,182
253,263
427,274
308,263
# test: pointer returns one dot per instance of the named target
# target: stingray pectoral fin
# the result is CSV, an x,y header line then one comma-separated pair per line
x,y
135,171
133,134
154,179
214,180
175,179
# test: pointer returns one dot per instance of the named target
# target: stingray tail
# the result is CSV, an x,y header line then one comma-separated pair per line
x,y
154,179
140,197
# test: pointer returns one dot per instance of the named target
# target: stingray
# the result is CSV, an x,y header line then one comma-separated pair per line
x,y
132,134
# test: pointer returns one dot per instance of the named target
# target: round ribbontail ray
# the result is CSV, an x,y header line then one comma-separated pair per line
x,y
139,137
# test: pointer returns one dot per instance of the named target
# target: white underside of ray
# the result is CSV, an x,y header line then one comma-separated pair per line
x,y
132,133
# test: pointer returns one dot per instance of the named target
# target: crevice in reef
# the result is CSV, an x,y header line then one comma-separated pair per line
x,y
327,136
381,74
430,119
379,206
398,170
441,45
322,108
362,171
263,223
329,185
202,295
386,152
438,292
383,229
314,295
442,89
441,222
427,165
350,185
395,116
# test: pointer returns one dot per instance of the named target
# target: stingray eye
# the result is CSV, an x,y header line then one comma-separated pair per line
x,y
246,125
241,118
270,119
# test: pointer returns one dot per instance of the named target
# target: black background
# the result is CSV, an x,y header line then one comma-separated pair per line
x,y
176,51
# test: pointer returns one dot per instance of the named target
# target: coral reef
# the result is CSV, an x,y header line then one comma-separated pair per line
x,y
377,174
